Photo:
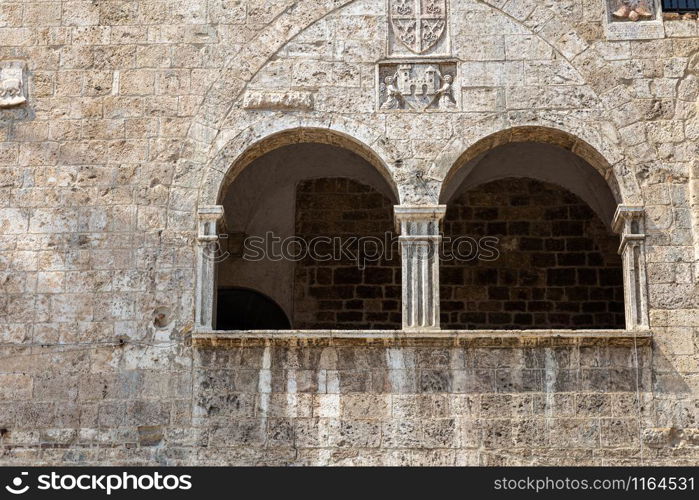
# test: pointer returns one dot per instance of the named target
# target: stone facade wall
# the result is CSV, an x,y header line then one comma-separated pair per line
x,y
557,264
138,113
421,406
339,293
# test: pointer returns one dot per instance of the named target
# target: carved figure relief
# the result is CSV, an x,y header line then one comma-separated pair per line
x,y
278,101
417,86
632,10
11,84
418,25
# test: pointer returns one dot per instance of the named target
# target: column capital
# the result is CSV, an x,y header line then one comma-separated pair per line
x,y
418,220
208,216
624,217
417,212
629,222
210,212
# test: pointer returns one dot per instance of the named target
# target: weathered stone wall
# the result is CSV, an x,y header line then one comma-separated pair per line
x,y
346,292
421,406
555,264
136,115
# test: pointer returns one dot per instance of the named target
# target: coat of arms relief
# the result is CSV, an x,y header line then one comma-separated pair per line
x,y
417,86
418,27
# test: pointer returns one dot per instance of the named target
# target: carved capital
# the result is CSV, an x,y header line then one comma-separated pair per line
x,y
629,222
418,220
208,217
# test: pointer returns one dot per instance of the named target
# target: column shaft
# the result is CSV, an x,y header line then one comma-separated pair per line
x,y
207,250
420,240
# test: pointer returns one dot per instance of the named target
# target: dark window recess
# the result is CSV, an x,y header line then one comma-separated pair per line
x,y
243,309
680,5
557,267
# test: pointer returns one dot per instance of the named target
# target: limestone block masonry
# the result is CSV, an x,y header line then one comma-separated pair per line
x,y
123,125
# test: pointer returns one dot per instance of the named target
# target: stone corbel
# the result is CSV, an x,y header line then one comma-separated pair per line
x,y
629,222
420,239
207,250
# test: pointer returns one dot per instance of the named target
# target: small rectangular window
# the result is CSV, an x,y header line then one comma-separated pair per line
x,y
680,5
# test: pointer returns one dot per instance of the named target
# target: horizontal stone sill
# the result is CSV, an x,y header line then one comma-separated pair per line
x,y
442,338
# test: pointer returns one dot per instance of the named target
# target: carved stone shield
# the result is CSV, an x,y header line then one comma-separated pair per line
x,y
417,86
418,24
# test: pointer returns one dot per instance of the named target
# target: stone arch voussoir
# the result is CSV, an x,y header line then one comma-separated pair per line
x,y
583,141
237,152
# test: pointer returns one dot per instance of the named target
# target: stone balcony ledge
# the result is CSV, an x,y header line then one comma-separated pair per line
x,y
441,338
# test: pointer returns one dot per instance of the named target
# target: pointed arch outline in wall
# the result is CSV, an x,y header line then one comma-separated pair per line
x,y
628,219
236,155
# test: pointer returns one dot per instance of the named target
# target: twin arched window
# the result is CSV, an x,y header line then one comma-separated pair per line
x,y
308,242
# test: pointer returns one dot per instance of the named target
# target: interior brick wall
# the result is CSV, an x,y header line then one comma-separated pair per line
x,y
558,265
337,293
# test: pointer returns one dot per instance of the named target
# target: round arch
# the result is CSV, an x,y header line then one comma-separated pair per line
x,y
206,127
240,151
462,151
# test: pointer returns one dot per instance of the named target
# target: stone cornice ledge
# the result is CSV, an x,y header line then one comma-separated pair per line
x,y
443,338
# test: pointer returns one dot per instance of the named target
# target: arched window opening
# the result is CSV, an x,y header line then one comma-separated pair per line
x,y
309,225
541,253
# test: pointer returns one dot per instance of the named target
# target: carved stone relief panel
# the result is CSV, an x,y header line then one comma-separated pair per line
x,y
418,86
12,91
278,101
418,27
632,10
633,19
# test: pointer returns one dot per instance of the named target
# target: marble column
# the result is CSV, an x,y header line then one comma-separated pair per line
x,y
420,240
